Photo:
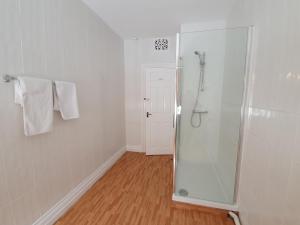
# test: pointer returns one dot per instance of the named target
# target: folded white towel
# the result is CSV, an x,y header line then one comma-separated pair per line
x,y
18,93
65,100
36,98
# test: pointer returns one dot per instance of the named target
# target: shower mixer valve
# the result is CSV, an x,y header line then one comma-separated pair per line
x,y
201,112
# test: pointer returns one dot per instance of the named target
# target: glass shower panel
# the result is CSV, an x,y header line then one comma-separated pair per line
x,y
209,100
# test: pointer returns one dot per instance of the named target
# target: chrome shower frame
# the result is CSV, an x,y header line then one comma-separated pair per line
x,y
244,115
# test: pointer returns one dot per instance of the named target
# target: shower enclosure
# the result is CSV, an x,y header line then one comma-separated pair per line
x,y
211,68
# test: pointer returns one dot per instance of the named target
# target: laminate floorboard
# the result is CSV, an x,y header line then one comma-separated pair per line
x,y
137,190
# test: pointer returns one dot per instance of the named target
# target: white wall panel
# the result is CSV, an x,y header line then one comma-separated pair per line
x,y
138,53
269,191
62,40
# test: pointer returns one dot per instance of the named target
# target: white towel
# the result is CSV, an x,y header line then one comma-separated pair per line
x,y
65,100
36,98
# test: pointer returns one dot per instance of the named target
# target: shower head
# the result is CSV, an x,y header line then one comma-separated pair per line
x,y
201,57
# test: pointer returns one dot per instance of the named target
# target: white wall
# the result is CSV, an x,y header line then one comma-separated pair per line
x,y
204,26
57,39
270,175
137,53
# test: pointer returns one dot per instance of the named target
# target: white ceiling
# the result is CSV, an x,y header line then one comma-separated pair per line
x,y
150,18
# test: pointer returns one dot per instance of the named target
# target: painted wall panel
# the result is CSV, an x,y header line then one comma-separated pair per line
x,y
138,53
269,192
61,40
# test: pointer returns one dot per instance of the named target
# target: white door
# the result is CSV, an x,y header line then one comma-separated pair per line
x,y
159,110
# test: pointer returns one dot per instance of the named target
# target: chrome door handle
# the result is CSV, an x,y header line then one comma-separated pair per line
x,y
148,114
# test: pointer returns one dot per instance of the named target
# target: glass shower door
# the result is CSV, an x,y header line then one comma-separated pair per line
x,y
209,102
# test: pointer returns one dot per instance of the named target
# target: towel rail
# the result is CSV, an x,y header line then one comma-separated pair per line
x,y
8,78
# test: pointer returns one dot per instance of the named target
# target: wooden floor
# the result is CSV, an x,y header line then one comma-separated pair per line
x,y
137,191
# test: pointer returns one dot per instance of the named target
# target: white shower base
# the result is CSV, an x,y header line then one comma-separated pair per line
x,y
200,202
203,186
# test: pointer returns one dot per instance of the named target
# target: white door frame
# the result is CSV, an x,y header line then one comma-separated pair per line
x,y
144,67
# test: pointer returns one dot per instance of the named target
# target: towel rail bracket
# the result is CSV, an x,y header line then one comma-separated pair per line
x,y
8,78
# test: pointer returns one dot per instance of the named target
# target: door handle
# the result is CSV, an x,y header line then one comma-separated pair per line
x,y
148,114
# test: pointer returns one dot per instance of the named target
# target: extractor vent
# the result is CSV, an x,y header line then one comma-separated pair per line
x,y
161,44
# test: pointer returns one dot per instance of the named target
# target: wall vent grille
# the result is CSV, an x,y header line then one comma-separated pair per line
x,y
161,44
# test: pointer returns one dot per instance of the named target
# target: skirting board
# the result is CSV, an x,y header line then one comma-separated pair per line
x,y
53,214
134,148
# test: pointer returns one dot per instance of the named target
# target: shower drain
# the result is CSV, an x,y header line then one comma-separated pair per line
x,y
183,192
